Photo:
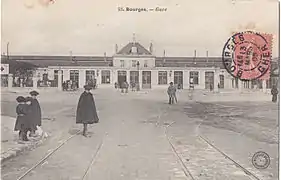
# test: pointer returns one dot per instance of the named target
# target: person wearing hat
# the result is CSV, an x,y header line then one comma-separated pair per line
x,y
172,93
35,116
274,93
86,109
22,121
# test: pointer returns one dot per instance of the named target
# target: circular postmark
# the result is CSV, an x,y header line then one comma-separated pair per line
x,y
247,55
260,160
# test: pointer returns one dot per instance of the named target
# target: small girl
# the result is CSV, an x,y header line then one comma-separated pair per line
x,y
22,124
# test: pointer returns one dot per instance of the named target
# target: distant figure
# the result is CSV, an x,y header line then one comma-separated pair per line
x,y
35,116
116,85
274,92
211,87
22,121
172,93
64,88
126,86
86,110
122,87
95,83
133,86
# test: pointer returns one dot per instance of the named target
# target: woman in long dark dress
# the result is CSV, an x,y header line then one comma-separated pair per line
x,y
22,122
86,110
35,116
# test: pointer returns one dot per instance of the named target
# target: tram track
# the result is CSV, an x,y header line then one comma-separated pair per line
x,y
188,173
56,149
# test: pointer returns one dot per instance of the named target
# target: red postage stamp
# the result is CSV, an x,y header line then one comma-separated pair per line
x,y
247,55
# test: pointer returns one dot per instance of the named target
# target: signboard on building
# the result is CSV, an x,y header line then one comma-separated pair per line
x,y
4,69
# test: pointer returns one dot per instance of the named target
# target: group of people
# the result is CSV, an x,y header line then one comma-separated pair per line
x,y
28,115
124,86
69,85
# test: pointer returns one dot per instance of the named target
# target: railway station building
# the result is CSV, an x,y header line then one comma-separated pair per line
x,y
134,63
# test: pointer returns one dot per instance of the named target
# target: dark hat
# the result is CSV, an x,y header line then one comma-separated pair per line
x,y
87,87
20,99
34,93
28,99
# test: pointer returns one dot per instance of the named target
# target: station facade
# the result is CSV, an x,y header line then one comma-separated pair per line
x,y
134,63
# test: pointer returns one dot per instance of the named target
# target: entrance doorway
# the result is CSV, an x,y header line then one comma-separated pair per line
x,y
74,77
122,77
56,78
221,81
209,80
146,79
178,79
134,77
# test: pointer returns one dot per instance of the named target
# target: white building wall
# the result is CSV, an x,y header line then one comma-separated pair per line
x,y
154,78
201,84
82,77
128,61
216,79
66,74
185,79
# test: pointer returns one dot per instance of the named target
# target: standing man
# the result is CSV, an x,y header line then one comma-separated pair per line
x,y
171,93
274,92
86,110
35,112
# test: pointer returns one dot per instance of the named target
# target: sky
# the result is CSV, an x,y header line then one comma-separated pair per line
x,y
93,27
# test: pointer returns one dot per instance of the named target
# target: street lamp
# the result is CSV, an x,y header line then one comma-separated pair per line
x,y
138,84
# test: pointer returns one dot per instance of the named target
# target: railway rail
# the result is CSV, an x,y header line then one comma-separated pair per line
x,y
41,161
187,172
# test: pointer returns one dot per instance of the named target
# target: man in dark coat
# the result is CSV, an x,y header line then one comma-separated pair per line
x,y
86,110
35,112
172,93
274,92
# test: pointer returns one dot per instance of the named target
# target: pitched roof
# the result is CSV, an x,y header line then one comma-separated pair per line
x,y
127,50
45,61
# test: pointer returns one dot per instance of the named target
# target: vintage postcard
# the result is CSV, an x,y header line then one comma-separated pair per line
x,y
140,90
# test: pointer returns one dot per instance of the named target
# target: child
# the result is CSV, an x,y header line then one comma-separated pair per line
x,y
35,116
22,123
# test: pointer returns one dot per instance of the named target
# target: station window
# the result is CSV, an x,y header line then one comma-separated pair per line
x,y
134,63
105,77
194,76
162,77
122,63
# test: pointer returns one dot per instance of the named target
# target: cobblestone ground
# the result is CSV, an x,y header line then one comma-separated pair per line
x,y
135,133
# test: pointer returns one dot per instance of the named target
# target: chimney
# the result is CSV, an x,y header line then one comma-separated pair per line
x,y
164,57
194,59
151,48
104,56
116,48
207,55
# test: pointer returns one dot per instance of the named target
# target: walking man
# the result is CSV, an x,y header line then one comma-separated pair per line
x,y
274,92
86,110
171,93
35,116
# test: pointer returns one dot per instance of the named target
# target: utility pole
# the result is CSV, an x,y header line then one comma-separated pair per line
x,y
8,50
194,59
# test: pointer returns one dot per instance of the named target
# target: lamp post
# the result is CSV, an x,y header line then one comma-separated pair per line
x,y
138,84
